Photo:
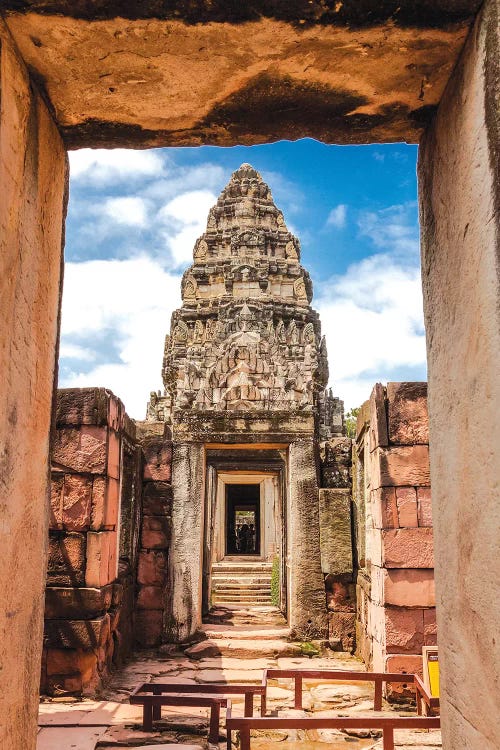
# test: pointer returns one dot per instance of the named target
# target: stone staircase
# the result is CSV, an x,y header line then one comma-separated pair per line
x,y
242,582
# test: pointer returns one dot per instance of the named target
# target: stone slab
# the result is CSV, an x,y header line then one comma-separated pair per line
x,y
108,713
335,531
407,413
406,466
69,738
76,603
84,634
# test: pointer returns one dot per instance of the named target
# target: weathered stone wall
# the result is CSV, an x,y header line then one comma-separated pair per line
x,y
33,172
155,538
90,593
460,212
396,613
336,542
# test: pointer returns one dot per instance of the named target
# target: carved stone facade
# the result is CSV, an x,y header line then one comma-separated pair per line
x,y
246,338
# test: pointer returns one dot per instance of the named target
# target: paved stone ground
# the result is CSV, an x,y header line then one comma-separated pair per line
x,y
240,644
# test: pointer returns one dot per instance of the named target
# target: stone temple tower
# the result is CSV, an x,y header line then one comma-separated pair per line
x,y
245,370
246,338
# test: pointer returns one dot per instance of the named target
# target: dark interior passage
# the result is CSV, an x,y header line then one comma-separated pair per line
x,y
243,519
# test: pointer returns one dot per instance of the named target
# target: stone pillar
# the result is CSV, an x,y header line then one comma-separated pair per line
x,y
460,213
184,615
306,596
33,174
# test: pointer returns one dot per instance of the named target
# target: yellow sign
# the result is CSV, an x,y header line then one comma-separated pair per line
x,y
431,669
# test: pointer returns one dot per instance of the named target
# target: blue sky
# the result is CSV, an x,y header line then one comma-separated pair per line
x,y
134,216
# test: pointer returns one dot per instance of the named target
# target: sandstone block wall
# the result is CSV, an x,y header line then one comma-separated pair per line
x,y
33,179
90,591
459,178
336,541
155,537
396,613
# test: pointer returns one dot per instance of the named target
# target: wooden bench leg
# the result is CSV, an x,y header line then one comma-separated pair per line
x,y
147,717
263,704
245,738
298,691
213,732
248,704
156,706
388,738
377,702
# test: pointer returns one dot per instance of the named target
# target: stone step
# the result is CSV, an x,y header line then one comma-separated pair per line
x,y
239,586
242,579
258,600
254,649
246,632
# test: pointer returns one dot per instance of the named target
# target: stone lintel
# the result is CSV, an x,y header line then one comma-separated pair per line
x,y
376,70
274,428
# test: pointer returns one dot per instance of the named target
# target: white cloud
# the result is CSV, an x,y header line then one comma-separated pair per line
x,y
74,351
373,321
132,301
185,219
392,229
337,216
102,166
126,210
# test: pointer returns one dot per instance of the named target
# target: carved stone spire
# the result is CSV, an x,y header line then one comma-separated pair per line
x,y
246,338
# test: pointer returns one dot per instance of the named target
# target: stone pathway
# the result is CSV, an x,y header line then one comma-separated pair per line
x,y
239,645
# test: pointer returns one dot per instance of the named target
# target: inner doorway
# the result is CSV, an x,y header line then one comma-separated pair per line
x,y
243,519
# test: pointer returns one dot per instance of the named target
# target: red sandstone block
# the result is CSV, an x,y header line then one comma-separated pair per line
x,y
81,449
76,504
113,454
115,413
155,532
101,556
113,555
77,406
65,684
406,664
157,499
71,661
342,627
407,412
148,627
406,500
66,563
152,568
403,588
157,458
430,627
77,634
378,418
404,630
105,503
384,508
408,548
56,492
401,466
69,603
150,597
424,506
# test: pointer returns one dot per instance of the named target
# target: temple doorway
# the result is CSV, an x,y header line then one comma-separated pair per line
x,y
243,519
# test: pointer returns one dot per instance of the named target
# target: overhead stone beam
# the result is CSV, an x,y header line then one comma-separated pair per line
x,y
152,73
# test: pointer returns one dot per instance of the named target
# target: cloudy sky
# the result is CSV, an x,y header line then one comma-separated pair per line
x,y
133,219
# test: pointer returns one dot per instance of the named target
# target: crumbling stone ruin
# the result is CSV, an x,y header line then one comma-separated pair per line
x,y
147,517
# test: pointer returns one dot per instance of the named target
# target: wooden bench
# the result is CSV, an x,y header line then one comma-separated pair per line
x,y
299,675
152,696
387,725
